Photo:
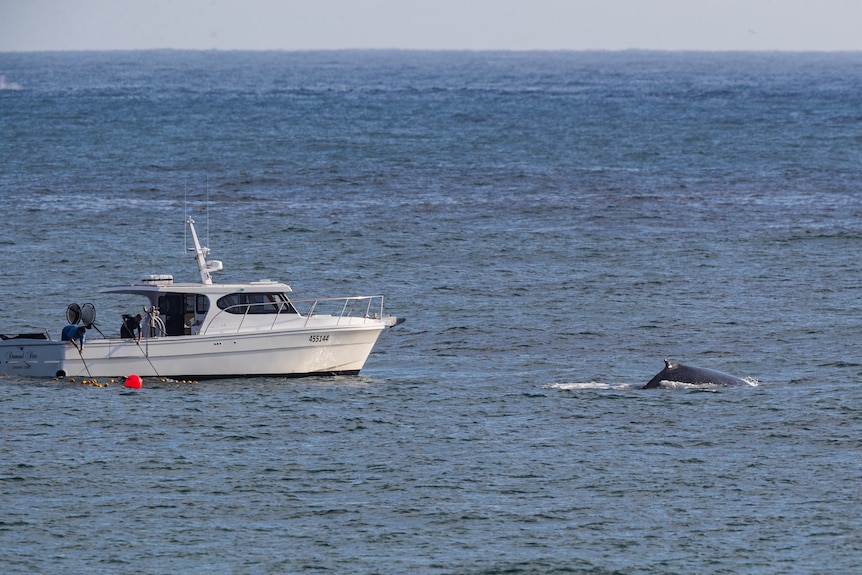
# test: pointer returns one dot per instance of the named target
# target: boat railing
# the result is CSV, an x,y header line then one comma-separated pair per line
x,y
343,309
362,307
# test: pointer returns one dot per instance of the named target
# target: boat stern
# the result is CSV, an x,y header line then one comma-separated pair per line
x,y
32,355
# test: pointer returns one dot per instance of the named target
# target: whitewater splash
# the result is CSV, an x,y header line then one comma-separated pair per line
x,y
4,85
589,385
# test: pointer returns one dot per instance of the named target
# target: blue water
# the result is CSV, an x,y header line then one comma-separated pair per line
x,y
553,225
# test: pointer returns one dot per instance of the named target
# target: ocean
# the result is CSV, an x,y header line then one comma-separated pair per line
x,y
553,225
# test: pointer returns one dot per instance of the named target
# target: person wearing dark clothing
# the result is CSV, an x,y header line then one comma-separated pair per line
x,y
131,327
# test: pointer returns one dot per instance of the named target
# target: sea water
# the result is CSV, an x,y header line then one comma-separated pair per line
x,y
552,224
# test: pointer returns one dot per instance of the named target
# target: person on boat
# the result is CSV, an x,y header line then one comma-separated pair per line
x,y
131,327
73,333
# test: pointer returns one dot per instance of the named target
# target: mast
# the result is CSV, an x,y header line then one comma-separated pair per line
x,y
201,253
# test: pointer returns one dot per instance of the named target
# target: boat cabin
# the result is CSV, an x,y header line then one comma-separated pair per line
x,y
190,309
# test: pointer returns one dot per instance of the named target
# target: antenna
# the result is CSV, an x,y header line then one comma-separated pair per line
x,y
185,214
208,209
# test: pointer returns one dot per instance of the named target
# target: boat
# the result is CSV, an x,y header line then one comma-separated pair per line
x,y
206,330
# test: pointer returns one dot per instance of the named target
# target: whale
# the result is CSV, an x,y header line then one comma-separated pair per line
x,y
677,372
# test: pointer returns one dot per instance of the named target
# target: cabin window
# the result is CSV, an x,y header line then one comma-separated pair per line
x,y
202,304
255,303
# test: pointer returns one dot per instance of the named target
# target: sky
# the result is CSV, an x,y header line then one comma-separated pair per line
x,y
784,25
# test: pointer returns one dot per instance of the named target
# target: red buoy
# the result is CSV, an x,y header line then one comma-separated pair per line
x,y
134,381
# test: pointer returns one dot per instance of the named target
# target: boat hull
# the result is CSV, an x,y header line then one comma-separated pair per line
x,y
294,353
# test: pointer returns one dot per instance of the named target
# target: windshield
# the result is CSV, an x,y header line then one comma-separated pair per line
x,y
255,303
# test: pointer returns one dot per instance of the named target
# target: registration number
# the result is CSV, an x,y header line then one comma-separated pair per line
x,y
318,338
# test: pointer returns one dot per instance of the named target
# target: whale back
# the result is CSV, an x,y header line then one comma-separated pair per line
x,y
678,372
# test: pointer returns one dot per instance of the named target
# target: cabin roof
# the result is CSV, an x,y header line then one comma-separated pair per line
x,y
262,286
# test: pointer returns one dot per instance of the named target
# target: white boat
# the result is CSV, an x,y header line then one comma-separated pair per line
x,y
210,330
